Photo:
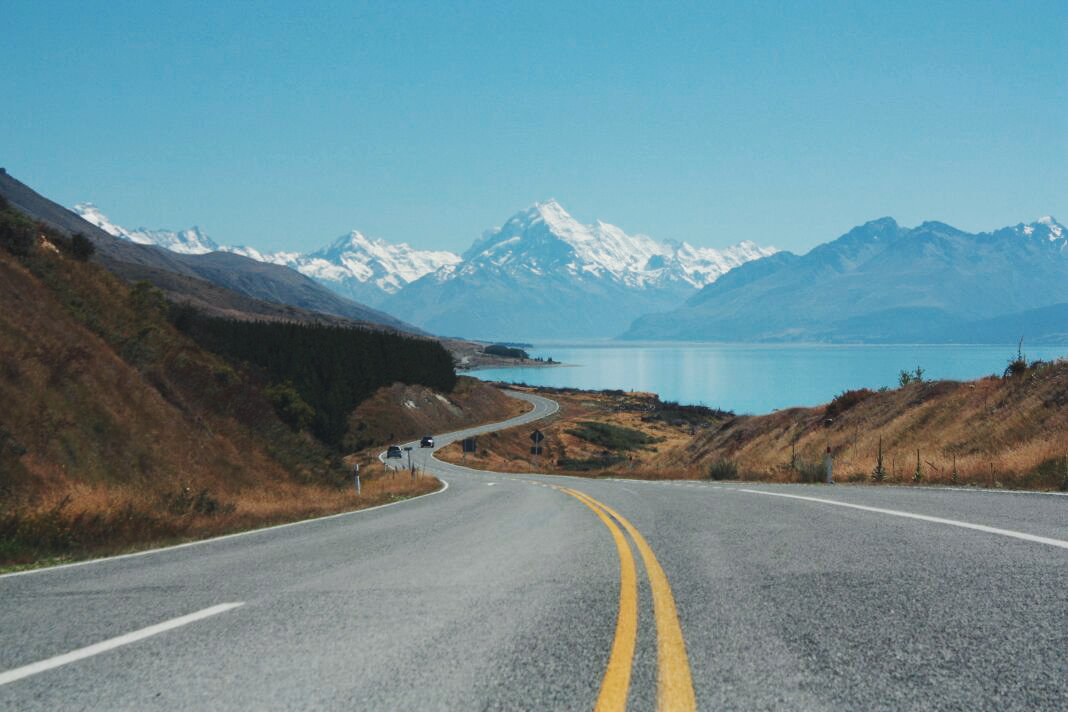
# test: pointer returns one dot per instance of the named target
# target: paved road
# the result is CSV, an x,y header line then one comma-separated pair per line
x,y
511,592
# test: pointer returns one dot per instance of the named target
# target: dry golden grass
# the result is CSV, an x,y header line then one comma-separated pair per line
x,y
994,432
997,432
117,432
405,412
95,521
509,450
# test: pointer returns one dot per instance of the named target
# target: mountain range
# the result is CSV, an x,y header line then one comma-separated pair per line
x,y
542,275
881,282
221,283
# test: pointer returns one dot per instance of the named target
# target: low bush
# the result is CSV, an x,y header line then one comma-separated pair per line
x,y
183,501
612,437
846,400
589,464
505,351
723,469
811,472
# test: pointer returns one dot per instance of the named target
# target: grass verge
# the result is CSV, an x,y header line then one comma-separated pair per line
x,y
92,523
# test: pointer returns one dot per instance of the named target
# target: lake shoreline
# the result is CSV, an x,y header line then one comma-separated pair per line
x,y
755,379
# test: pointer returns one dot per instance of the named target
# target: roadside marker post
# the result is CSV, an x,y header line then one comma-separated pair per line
x,y
356,475
536,437
828,465
411,469
469,445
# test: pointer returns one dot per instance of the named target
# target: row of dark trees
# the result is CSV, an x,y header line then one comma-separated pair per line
x,y
333,369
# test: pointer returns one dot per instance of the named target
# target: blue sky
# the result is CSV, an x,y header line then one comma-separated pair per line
x,y
283,126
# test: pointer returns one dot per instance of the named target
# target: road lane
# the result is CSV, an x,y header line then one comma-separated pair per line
x,y
616,683
504,593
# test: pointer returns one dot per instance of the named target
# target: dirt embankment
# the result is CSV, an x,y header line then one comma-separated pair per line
x,y
118,432
996,432
596,433
402,412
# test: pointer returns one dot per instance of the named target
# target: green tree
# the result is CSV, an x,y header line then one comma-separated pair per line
x,y
879,474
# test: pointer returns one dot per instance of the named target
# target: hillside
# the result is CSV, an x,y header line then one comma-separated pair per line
x,y
119,429
1009,431
224,282
883,283
1001,432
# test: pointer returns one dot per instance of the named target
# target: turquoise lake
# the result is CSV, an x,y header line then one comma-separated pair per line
x,y
749,378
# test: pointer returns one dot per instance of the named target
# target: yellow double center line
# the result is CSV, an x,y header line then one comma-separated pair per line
x,y
674,683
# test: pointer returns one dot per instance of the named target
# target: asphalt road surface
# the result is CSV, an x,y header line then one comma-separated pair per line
x,y
520,592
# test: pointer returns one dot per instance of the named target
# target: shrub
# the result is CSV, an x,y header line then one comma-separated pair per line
x,y
612,437
183,501
1018,365
906,377
506,351
590,463
290,407
879,474
811,471
723,469
17,232
81,247
846,400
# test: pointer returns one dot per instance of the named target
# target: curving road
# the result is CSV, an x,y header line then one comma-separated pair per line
x,y
536,592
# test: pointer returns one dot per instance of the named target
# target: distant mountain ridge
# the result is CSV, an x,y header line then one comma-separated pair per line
x,y
540,263
186,242
544,275
221,283
364,269
881,282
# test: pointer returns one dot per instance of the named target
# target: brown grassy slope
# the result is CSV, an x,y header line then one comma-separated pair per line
x,y
566,453
100,389
117,431
405,412
1009,431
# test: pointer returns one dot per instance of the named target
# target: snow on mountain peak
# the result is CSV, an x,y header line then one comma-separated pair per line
x,y
389,266
545,235
348,264
1056,230
1046,227
190,242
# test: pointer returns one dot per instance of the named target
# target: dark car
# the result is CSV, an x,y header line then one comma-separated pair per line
x,y
394,451
427,441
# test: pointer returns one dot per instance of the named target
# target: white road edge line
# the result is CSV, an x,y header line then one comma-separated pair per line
x,y
96,649
922,517
147,552
198,542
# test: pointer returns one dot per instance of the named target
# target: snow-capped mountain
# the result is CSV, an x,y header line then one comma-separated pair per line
x,y
365,269
186,242
881,282
355,266
546,237
543,274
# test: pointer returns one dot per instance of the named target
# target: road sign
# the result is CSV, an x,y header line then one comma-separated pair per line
x,y
536,437
470,445
536,450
